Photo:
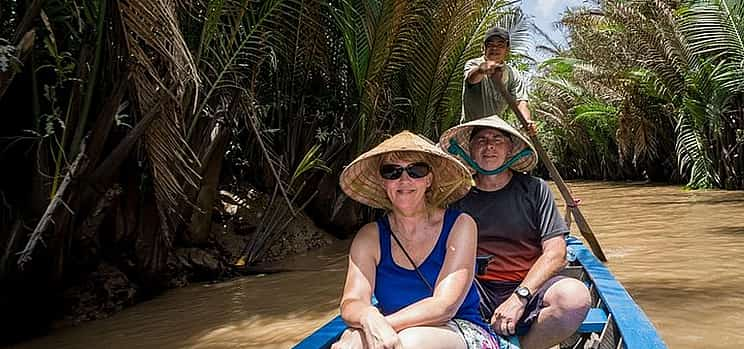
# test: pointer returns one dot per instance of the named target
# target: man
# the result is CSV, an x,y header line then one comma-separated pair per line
x,y
520,225
481,97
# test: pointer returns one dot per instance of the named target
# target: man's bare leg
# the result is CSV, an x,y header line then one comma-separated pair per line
x,y
567,302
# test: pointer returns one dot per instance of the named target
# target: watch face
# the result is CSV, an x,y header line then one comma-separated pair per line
x,y
523,292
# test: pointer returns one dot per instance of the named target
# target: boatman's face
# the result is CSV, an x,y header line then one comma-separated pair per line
x,y
489,148
496,50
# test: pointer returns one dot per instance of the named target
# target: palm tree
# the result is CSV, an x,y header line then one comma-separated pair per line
x,y
579,117
715,30
676,70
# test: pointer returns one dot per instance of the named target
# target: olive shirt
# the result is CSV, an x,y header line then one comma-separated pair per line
x,y
512,224
483,99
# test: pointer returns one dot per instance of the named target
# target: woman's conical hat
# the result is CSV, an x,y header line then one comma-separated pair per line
x,y
362,182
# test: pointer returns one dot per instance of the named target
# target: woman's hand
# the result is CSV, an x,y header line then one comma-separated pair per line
x,y
377,331
505,317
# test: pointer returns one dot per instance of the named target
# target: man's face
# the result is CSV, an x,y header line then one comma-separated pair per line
x,y
496,50
489,148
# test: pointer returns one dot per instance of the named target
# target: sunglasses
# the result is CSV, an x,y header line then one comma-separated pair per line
x,y
414,170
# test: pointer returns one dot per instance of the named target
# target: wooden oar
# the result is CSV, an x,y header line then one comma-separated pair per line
x,y
584,228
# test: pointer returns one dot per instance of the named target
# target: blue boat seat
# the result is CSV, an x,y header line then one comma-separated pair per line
x,y
595,321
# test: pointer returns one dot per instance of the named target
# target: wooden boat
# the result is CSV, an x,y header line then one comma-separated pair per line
x,y
615,321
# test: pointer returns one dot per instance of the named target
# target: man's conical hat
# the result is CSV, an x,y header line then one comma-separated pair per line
x,y
461,134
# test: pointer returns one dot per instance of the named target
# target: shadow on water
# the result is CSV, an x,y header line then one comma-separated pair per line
x,y
738,230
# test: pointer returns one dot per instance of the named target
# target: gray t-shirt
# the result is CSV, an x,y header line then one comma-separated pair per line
x,y
483,99
512,224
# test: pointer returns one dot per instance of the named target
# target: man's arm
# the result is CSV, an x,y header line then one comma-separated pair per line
x,y
519,89
552,229
552,260
524,107
477,73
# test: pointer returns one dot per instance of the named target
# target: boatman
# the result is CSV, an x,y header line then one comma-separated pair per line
x,y
480,96
521,227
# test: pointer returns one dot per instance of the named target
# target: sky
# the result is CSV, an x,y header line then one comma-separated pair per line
x,y
547,12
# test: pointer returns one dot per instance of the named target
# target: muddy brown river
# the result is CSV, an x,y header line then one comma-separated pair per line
x,y
679,254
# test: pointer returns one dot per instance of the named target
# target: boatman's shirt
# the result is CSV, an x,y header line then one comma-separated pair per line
x,y
512,224
483,99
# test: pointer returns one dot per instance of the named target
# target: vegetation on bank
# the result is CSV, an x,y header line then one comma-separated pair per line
x,y
121,120
648,88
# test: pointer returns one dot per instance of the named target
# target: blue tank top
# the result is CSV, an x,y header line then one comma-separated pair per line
x,y
397,287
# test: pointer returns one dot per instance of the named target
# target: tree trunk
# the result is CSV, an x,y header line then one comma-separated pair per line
x,y
201,218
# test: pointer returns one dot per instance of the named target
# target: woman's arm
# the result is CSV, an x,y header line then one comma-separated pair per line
x,y
356,301
455,280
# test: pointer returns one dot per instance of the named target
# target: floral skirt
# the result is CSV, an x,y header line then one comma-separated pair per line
x,y
477,337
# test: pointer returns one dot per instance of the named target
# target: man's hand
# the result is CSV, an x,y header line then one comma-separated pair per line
x,y
377,331
505,317
490,67
531,128
524,108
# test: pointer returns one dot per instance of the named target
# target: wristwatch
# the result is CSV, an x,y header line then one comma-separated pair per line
x,y
523,292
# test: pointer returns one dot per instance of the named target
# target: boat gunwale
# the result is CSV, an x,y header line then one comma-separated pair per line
x,y
636,330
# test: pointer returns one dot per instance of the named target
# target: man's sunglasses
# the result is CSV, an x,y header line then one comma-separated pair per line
x,y
414,170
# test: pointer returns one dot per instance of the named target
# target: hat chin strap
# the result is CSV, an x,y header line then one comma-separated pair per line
x,y
455,149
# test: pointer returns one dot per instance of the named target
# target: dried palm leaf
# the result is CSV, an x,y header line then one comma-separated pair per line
x,y
162,62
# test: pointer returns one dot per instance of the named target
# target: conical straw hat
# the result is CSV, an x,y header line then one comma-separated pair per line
x,y
362,182
461,134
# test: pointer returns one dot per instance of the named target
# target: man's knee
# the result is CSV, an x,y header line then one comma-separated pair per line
x,y
569,297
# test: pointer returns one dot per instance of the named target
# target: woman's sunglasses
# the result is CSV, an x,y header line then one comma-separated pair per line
x,y
414,170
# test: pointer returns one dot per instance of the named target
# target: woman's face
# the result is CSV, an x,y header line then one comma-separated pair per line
x,y
406,192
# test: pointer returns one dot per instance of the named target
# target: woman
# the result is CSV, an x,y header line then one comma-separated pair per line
x,y
418,259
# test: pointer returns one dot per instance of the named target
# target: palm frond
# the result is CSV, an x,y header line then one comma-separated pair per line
x,y
716,29
243,40
379,37
691,155
519,26
163,63
550,46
